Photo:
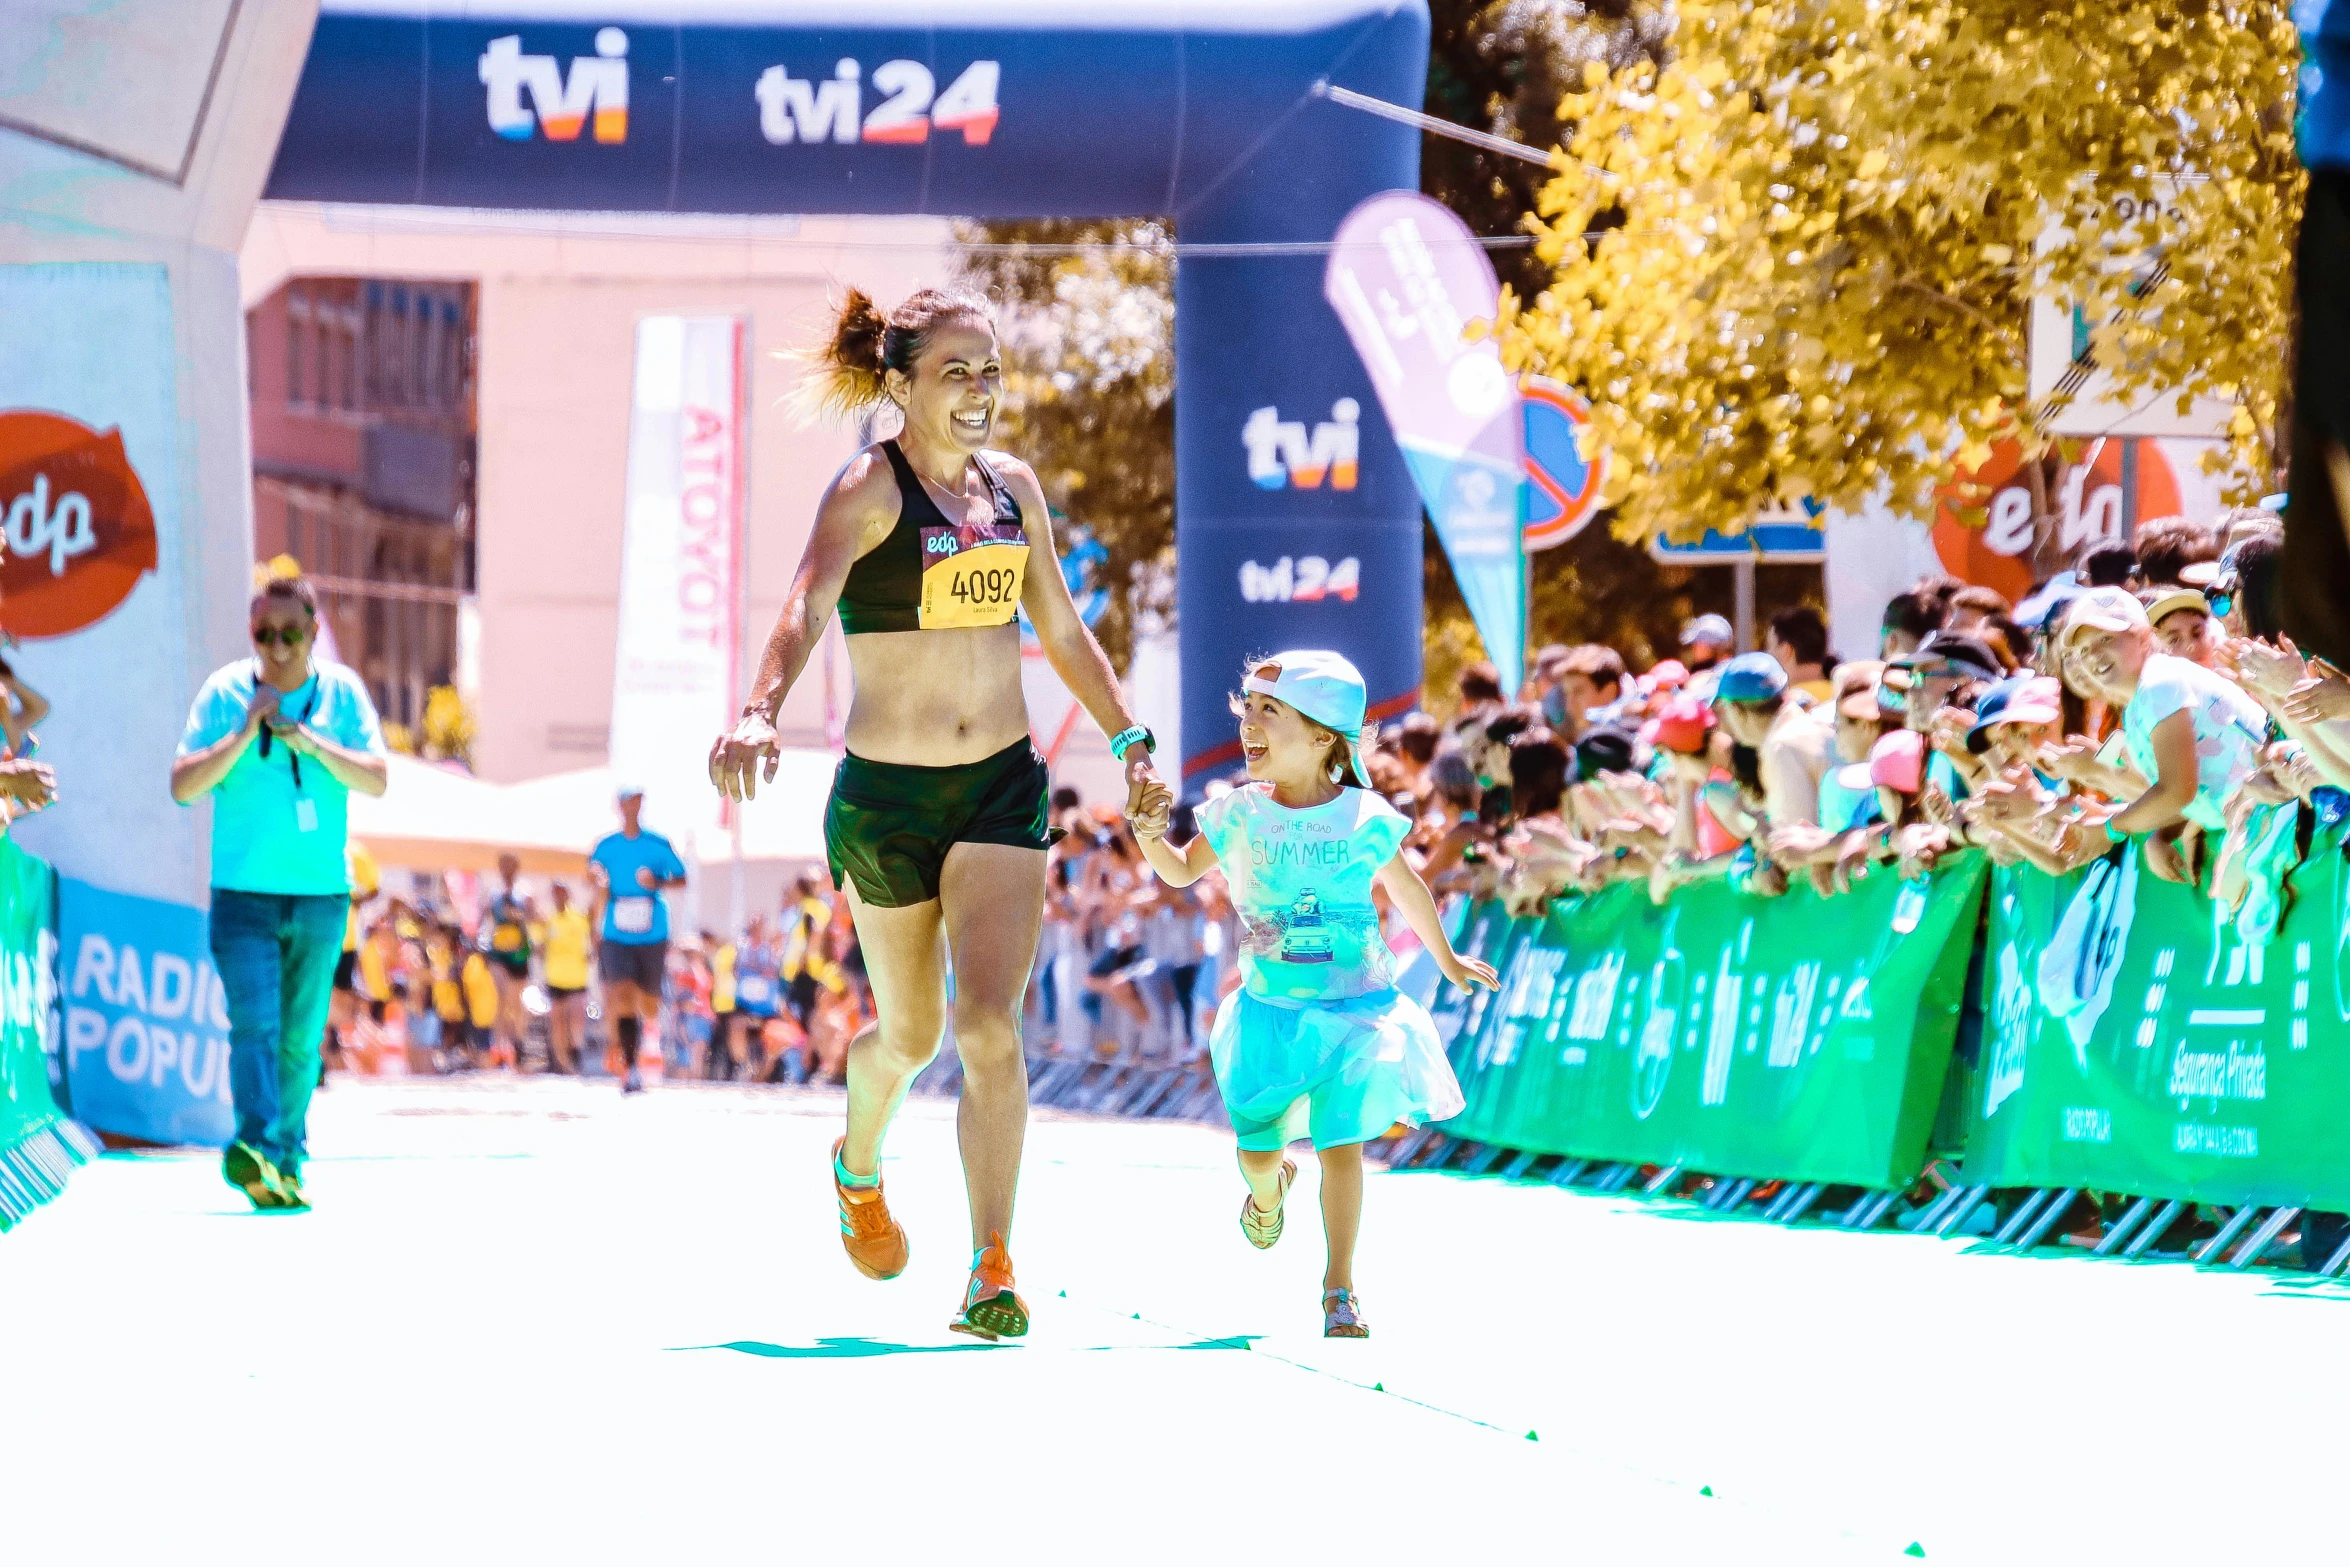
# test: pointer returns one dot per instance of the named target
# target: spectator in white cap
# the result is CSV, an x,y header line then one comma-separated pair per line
x,y
1706,640
2196,734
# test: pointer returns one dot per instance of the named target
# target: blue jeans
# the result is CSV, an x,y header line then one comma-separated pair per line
x,y
276,954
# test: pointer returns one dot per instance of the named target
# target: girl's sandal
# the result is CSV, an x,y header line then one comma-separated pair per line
x,y
1342,1315
1262,1228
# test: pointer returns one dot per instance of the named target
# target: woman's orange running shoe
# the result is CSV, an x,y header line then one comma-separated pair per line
x,y
990,1308
875,1242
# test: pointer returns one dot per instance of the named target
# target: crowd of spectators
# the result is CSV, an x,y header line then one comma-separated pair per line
x,y
494,976
2147,696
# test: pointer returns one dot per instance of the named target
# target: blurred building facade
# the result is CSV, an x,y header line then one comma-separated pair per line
x,y
363,398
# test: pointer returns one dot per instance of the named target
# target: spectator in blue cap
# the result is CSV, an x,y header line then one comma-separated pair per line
x,y
1793,743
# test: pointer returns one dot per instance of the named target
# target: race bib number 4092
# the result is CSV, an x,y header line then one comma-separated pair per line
x,y
972,576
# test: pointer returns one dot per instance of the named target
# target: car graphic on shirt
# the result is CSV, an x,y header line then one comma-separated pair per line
x,y
1306,936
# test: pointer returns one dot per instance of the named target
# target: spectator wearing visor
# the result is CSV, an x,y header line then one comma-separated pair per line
x,y
2183,625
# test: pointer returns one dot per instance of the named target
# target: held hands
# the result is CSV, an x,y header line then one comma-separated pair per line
x,y
736,755
1149,806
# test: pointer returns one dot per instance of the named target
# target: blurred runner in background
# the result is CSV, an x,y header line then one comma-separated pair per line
x,y
564,965
505,941
632,868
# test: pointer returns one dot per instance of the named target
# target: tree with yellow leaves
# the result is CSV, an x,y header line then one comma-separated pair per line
x,y
1800,258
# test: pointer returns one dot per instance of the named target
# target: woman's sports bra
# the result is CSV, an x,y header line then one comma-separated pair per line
x,y
934,575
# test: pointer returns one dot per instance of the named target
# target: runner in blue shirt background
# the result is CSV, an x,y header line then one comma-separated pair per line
x,y
632,868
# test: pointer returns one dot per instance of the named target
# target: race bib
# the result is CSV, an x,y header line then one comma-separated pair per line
x,y
632,916
972,576
754,988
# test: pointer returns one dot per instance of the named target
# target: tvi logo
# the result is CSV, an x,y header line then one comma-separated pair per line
x,y
597,88
1282,454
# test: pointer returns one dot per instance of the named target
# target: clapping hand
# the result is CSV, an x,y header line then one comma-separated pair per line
x,y
2323,699
2074,761
2270,672
29,784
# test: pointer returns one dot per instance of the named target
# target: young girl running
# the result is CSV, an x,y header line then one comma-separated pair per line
x,y
1318,1042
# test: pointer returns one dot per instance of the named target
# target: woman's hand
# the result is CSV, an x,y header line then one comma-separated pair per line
x,y
735,757
1466,972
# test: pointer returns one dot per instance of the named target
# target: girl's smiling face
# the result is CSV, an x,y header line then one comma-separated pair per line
x,y
2112,660
1279,745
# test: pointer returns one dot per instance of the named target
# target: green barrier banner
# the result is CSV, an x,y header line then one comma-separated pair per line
x,y
37,1147
1800,1037
2136,1043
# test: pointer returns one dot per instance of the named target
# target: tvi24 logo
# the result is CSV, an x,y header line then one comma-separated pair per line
x,y
795,109
595,91
1307,579
1283,455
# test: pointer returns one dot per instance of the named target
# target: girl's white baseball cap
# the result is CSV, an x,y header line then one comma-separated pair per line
x,y
1318,683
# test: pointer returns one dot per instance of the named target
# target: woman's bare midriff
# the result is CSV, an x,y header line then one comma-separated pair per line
x,y
936,698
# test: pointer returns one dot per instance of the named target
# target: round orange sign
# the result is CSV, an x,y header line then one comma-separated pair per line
x,y
1998,554
74,519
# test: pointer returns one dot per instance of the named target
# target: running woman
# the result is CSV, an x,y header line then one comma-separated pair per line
x,y
930,546
1318,1042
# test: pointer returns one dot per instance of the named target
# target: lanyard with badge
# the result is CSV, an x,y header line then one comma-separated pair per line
x,y
305,808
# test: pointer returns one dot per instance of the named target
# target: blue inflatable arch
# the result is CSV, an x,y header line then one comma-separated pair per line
x,y
1296,522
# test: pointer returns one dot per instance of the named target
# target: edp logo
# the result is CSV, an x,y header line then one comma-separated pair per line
x,y
61,532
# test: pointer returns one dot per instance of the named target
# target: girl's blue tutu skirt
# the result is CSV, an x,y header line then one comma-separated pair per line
x,y
1336,1071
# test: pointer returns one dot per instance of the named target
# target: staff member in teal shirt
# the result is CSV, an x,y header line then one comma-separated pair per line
x,y
279,740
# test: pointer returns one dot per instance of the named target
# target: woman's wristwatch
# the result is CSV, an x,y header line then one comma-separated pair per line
x,y
1125,739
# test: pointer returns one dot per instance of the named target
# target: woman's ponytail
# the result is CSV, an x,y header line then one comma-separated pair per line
x,y
848,372
844,376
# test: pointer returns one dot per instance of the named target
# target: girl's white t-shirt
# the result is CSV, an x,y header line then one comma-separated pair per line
x,y
1301,883
2230,728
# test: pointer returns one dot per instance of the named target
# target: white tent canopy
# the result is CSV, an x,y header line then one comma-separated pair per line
x,y
437,818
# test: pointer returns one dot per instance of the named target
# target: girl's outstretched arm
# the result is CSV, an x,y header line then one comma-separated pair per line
x,y
1417,905
1176,867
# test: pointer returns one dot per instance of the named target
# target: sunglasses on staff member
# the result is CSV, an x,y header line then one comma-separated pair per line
x,y
266,635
